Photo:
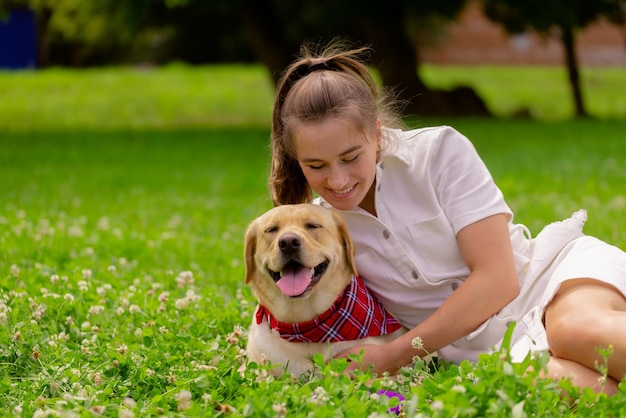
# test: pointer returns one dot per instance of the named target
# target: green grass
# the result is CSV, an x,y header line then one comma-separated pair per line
x,y
542,92
115,183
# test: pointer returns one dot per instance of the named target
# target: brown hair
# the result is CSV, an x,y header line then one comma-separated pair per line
x,y
317,86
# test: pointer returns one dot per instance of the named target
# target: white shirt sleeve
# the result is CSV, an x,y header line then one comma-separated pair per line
x,y
463,185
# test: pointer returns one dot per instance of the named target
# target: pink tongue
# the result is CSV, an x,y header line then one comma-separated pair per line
x,y
295,281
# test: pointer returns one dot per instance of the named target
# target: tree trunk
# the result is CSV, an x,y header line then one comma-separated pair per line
x,y
43,45
265,35
571,61
398,61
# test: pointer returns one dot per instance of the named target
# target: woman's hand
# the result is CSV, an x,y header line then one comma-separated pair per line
x,y
376,358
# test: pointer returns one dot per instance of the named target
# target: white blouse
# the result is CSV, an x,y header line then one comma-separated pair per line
x,y
430,184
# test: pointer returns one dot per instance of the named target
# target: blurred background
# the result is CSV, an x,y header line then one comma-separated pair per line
x,y
404,35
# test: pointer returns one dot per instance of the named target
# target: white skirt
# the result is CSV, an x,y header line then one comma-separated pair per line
x,y
560,252
582,257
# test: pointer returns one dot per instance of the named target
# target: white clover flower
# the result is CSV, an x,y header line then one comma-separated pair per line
x,y
120,311
96,310
320,395
38,314
85,325
87,274
15,270
458,388
192,296
181,304
68,298
54,279
280,409
150,372
3,317
111,268
134,309
184,400
101,291
82,286
437,405
122,349
98,409
417,343
163,297
75,231
184,278
138,332
103,223
125,413
97,379
163,330
129,402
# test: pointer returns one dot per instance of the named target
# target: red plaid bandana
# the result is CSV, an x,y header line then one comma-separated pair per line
x,y
355,314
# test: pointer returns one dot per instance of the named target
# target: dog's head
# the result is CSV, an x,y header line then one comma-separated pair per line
x,y
298,259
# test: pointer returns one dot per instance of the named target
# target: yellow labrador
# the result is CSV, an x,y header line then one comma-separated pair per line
x,y
299,264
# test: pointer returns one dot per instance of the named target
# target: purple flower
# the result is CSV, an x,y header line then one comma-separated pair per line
x,y
390,394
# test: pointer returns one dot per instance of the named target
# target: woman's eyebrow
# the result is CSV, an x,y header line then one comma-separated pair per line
x,y
348,151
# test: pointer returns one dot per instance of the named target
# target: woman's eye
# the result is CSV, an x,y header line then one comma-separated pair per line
x,y
352,159
316,167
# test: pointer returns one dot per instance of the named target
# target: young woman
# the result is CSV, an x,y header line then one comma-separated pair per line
x,y
435,239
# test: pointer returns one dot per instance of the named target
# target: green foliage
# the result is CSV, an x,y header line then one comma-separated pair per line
x,y
545,16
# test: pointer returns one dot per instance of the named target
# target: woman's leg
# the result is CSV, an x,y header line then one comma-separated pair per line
x,y
580,375
584,315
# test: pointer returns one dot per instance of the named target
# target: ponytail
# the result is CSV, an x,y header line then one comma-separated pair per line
x,y
316,86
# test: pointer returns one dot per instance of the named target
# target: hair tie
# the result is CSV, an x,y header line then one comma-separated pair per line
x,y
318,66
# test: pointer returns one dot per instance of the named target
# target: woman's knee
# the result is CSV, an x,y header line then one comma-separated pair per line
x,y
573,334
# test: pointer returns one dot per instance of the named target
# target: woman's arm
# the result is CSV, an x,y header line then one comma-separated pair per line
x,y
486,249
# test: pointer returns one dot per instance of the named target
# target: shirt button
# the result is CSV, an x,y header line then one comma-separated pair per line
x,y
415,275
455,286
386,234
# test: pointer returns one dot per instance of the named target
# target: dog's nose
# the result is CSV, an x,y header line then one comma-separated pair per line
x,y
289,243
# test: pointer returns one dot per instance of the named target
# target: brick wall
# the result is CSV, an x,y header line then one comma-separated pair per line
x,y
473,39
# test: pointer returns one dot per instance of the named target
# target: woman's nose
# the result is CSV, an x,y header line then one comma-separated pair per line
x,y
338,179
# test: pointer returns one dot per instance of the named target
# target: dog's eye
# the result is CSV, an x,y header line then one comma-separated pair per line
x,y
311,225
271,230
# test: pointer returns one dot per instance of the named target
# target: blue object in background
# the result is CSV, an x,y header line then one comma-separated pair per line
x,y
18,40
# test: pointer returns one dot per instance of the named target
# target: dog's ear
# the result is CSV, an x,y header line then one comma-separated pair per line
x,y
348,245
250,250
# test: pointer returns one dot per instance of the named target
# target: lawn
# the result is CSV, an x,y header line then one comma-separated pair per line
x,y
124,197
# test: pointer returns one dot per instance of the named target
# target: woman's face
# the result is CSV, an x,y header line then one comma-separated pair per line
x,y
339,161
